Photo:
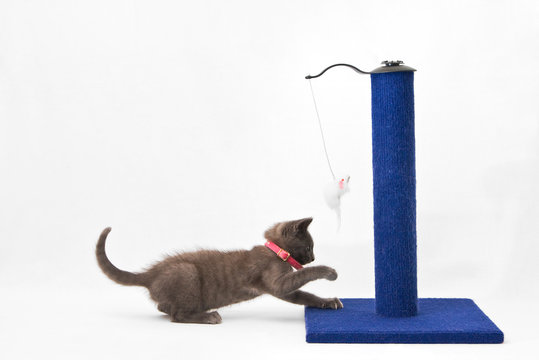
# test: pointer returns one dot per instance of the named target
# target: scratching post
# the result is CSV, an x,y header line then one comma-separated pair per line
x,y
396,315
393,161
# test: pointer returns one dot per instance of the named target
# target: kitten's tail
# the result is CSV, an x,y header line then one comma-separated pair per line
x,y
115,274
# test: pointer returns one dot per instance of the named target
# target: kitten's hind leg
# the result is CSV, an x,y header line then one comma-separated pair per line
x,y
164,308
198,318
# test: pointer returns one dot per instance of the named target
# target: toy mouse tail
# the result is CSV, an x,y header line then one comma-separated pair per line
x,y
338,212
113,273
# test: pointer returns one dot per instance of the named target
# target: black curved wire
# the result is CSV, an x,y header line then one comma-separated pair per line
x,y
332,66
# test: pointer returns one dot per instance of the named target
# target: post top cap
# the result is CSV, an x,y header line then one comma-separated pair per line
x,y
392,66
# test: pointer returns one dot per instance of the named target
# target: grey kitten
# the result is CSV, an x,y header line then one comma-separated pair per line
x,y
188,286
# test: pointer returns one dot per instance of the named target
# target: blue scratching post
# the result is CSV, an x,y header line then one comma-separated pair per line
x,y
393,149
396,315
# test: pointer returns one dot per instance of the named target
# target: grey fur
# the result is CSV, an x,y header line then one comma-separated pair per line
x,y
189,286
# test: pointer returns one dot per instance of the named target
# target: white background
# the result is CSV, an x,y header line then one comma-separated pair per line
x,y
189,124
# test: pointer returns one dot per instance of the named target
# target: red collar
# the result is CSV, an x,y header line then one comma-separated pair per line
x,y
284,255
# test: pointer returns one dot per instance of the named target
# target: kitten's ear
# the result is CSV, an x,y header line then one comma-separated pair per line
x,y
302,224
289,228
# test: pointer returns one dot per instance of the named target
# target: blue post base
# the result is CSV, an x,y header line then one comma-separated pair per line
x,y
438,321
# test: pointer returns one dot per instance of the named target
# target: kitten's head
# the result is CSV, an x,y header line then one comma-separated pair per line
x,y
293,237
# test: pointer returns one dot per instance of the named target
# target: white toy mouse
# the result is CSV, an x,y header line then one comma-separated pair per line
x,y
333,193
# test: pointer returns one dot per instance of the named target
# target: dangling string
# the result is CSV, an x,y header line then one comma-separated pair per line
x,y
337,188
321,131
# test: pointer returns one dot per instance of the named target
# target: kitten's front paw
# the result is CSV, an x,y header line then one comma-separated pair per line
x,y
330,274
333,303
